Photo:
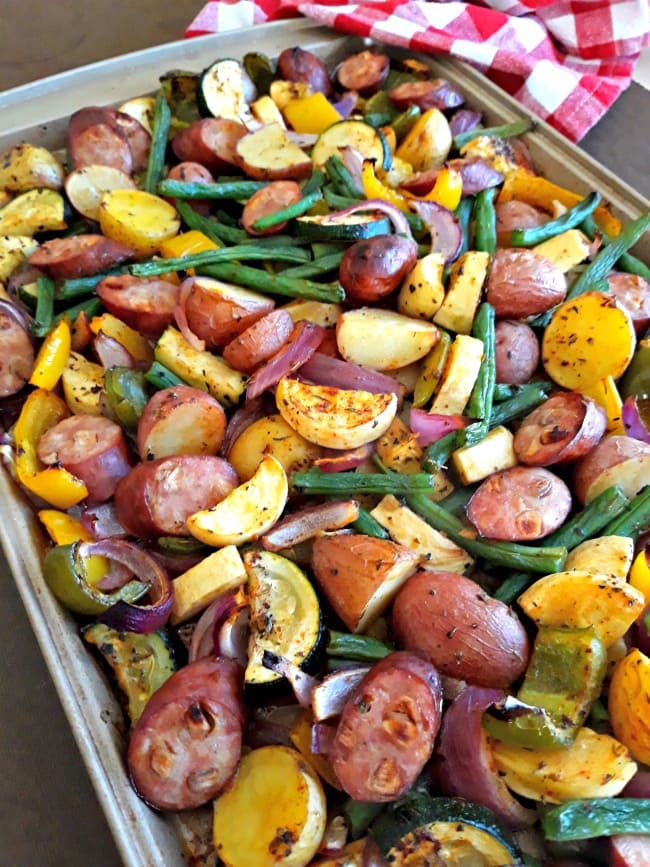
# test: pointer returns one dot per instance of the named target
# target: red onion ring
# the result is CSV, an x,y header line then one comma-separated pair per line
x,y
330,695
337,462
17,313
446,234
303,343
111,353
347,103
468,769
180,316
633,417
324,369
302,683
322,738
353,162
464,120
309,522
397,218
477,174
202,642
232,635
102,522
433,426
126,616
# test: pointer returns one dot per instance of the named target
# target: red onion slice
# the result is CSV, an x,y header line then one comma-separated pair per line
x,y
397,218
233,634
126,616
309,522
18,313
635,412
303,684
180,316
639,785
338,462
102,522
303,343
468,769
322,738
477,174
330,695
302,139
111,353
347,103
464,120
324,369
202,642
244,417
433,426
446,233
353,162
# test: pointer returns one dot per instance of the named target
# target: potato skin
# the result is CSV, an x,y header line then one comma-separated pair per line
x,y
375,267
596,471
465,633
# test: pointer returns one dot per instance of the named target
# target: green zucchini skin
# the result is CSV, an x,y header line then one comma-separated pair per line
x,y
418,821
597,817
354,228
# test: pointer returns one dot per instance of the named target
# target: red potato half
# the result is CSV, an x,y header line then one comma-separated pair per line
x,y
466,634
268,154
259,342
522,283
217,312
616,460
181,421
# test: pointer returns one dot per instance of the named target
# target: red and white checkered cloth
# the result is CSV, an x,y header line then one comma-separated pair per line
x,y
565,60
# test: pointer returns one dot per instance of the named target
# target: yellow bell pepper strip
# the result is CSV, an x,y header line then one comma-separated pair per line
x,y
65,569
63,529
447,190
605,393
185,244
541,193
640,572
52,356
373,188
311,114
135,343
55,485
432,370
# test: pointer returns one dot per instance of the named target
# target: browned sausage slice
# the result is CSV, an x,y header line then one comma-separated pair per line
x,y
365,72
519,504
78,256
375,267
91,447
270,199
523,283
145,304
16,354
388,728
633,294
212,142
157,497
563,428
296,64
138,138
187,743
191,172
95,138
516,351
436,93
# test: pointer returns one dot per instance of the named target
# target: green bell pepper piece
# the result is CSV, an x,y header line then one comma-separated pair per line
x,y
127,395
636,379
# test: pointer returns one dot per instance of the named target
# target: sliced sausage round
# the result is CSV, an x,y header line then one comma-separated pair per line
x,y
95,138
365,72
259,342
375,267
192,172
92,448
212,142
16,354
633,294
157,497
516,351
297,64
187,743
523,283
466,633
520,504
388,728
138,138
435,93
270,199
515,214
563,428
79,256
146,304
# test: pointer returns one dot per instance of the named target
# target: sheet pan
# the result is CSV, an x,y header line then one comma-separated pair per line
x,y
37,112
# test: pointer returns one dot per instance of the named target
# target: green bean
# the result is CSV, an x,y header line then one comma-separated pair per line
x,y
362,648
505,392
517,127
513,586
635,520
368,525
318,266
79,286
315,481
510,555
91,307
455,502
485,225
314,182
530,396
213,257
288,213
340,177
200,223
627,262
437,454
463,214
569,220
161,377
243,275
405,121
160,132
44,315
597,817
603,509
195,190
479,405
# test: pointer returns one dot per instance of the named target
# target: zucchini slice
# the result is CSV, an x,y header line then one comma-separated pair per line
x,y
225,90
450,831
354,227
285,615
370,143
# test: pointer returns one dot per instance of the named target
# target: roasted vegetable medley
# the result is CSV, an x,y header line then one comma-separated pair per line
x,y
337,416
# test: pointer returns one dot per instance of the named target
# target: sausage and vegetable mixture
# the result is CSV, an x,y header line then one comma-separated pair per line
x,y
337,415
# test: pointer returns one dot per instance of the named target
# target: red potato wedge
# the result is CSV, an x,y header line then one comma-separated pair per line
x,y
218,312
259,342
269,155
616,460
360,575
212,142
181,421
383,340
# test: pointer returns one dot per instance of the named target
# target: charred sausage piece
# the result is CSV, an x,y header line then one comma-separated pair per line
x,y
296,64
138,138
388,728
516,351
365,72
520,504
633,294
92,448
157,497
190,172
436,93
212,142
259,342
187,743
270,199
564,428
515,214
467,635
95,138
375,267
16,354
523,283
145,304
79,256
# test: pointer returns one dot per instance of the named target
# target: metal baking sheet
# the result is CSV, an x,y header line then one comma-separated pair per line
x,y
37,113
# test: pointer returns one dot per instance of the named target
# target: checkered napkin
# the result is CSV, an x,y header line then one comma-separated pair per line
x,y
565,60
